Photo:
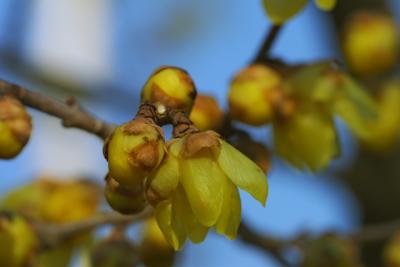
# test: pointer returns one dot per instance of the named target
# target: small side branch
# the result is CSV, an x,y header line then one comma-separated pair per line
x,y
265,48
70,113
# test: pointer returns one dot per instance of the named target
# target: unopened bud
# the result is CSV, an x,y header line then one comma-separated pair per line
x,y
206,113
125,200
134,150
172,87
15,127
254,95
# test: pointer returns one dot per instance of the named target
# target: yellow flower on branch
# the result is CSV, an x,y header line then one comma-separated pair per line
x,y
195,188
280,11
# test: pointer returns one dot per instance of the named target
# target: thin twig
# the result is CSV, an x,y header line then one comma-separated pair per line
x,y
51,235
71,114
265,48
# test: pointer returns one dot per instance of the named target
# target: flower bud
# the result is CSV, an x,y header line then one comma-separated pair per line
x,y
255,94
114,252
125,200
206,113
370,43
391,254
170,86
18,241
134,150
154,249
15,127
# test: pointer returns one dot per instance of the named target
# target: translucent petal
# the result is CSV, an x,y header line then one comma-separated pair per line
x,y
203,180
326,4
229,220
182,212
166,177
307,139
163,215
243,172
280,11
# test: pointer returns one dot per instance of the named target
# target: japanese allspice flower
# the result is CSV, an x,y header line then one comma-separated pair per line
x,y
195,188
18,241
15,127
370,42
206,114
279,11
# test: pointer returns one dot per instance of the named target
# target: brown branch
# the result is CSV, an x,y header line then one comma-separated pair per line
x,y
265,48
376,232
70,113
51,235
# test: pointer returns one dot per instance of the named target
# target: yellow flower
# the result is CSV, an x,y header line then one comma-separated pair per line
x,y
279,11
370,43
124,199
253,94
385,131
133,151
206,113
171,87
15,127
307,137
154,250
18,241
195,188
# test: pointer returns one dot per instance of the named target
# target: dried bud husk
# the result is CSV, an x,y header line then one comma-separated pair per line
x,y
133,151
206,113
154,249
115,252
124,199
15,127
171,87
255,94
18,241
331,251
370,43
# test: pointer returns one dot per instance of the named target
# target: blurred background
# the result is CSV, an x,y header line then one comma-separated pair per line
x,y
103,51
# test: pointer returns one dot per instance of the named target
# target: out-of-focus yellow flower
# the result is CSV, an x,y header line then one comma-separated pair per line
x,y
15,127
195,188
280,11
370,43
171,87
385,131
391,253
331,251
307,137
206,113
154,250
133,151
18,241
124,199
114,252
254,93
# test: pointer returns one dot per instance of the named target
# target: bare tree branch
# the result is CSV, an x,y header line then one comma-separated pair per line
x,y
70,113
269,40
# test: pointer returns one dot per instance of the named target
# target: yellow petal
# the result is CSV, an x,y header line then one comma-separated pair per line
x,y
203,182
182,212
307,139
243,172
166,177
280,11
326,4
229,220
163,215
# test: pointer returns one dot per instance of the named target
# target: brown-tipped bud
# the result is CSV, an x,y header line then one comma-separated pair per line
x,y
370,43
206,113
171,87
125,200
18,241
115,252
255,94
154,250
15,127
133,151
